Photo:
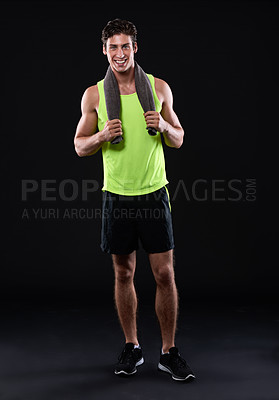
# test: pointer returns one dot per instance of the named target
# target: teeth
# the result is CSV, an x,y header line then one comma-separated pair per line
x,y
120,62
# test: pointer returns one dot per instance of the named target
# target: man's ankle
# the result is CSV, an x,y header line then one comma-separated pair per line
x,y
165,349
135,342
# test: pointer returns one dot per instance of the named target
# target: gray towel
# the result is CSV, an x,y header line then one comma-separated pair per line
x,y
112,96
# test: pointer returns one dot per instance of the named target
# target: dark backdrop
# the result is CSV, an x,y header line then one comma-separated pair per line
x,y
219,59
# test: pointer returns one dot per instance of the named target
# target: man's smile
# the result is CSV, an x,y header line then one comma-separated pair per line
x,y
121,63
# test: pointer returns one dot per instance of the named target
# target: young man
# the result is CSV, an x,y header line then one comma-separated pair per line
x,y
135,199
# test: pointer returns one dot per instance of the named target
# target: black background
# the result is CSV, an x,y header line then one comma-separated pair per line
x,y
219,59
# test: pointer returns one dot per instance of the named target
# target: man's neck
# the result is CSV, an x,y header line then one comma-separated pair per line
x,y
126,80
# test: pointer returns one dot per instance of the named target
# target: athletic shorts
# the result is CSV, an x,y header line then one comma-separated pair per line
x,y
128,220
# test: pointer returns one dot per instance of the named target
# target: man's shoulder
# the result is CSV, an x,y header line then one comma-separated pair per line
x,y
160,84
92,90
162,88
91,96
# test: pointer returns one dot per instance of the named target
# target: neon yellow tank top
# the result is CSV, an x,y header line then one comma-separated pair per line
x,y
136,165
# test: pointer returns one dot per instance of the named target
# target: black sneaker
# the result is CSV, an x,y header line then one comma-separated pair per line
x,y
128,360
175,365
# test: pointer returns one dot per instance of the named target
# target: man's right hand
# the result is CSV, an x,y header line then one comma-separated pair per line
x,y
111,129
87,139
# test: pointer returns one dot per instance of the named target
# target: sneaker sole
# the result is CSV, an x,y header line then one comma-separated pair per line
x,y
175,377
140,362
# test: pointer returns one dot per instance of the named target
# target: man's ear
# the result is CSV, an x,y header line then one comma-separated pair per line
x,y
104,50
135,47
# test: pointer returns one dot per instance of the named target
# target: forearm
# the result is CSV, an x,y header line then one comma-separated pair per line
x,y
88,145
173,136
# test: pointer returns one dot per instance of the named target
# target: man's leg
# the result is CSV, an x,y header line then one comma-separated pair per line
x,y
125,294
166,302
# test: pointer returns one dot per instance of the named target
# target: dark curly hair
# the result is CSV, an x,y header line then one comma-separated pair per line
x,y
117,26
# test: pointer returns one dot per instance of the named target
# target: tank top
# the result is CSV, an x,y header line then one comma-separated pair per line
x,y
136,165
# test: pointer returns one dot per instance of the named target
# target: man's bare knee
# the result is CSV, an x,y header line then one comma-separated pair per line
x,y
124,267
124,275
164,276
162,268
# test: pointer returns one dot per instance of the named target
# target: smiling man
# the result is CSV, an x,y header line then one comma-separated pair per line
x,y
136,205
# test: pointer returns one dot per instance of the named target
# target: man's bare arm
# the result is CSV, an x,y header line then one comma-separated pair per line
x,y
87,141
167,121
173,132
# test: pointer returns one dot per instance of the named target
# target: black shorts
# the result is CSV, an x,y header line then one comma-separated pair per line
x,y
128,219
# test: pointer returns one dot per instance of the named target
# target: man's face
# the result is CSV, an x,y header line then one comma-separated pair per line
x,y
120,52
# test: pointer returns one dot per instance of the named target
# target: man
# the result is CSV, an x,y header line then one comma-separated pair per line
x,y
135,199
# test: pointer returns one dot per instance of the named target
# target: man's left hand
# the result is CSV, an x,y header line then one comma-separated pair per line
x,y
154,119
